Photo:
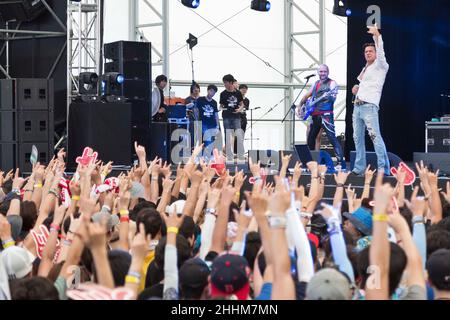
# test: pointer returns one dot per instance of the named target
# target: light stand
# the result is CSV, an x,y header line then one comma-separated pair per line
x,y
192,41
292,108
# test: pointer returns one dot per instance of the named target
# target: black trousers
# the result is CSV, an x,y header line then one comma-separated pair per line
x,y
326,122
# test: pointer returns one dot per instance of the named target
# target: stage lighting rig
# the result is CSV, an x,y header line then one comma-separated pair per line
x,y
191,3
261,5
88,86
341,8
112,86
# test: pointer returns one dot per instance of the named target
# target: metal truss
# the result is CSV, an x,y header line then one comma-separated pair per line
x,y
16,34
84,45
160,9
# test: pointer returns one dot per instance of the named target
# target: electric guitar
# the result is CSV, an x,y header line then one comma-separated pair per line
x,y
308,108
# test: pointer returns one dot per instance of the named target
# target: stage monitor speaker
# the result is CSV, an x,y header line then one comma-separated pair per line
x,y
305,155
105,127
371,158
294,158
268,158
434,161
159,141
26,94
21,10
128,51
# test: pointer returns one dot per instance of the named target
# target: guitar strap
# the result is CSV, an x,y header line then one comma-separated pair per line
x,y
317,87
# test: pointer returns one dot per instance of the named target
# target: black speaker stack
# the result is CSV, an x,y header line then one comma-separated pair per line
x,y
133,61
26,119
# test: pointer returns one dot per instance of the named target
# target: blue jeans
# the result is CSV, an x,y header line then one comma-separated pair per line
x,y
233,131
366,116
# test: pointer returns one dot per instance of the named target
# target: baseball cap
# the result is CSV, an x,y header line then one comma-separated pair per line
x,y
328,284
229,276
361,219
438,266
18,262
178,206
112,219
194,273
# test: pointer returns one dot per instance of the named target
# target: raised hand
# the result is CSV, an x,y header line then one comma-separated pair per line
x,y
285,159
213,198
255,168
60,212
279,202
373,30
341,177
18,181
96,234
140,151
140,243
417,205
5,228
368,175
446,194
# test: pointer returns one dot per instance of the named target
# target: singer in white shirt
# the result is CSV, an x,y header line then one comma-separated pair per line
x,y
367,104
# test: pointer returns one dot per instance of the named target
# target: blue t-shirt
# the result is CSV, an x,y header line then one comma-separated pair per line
x,y
207,111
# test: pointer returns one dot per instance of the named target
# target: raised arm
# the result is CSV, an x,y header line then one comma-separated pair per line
x,y
379,45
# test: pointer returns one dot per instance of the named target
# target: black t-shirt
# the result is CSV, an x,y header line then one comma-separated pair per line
x,y
207,112
246,107
230,101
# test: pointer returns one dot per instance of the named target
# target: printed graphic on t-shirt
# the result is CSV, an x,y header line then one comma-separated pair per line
x,y
208,111
232,102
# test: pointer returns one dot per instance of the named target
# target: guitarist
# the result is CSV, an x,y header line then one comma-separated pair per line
x,y
323,116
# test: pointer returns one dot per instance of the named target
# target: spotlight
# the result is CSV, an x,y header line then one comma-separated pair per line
x,y
88,83
191,3
341,8
192,41
112,86
261,5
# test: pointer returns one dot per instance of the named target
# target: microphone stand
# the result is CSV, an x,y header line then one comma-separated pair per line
x,y
292,108
251,127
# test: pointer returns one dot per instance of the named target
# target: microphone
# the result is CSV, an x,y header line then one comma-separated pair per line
x,y
257,108
310,76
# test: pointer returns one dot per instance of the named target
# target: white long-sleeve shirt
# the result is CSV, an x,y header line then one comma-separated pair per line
x,y
372,78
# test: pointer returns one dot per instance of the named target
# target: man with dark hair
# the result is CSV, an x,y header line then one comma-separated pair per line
x,y
438,267
152,224
161,83
231,102
193,275
367,104
208,115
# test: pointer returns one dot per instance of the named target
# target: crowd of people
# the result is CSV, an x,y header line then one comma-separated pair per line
x,y
151,233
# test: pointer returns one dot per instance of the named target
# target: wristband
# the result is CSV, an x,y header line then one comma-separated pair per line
x,y
381,217
53,192
38,185
7,240
418,219
16,191
172,230
211,211
8,244
134,274
124,212
124,219
154,179
340,185
277,222
132,279
67,242
55,226
238,194
75,198
28,190
106,208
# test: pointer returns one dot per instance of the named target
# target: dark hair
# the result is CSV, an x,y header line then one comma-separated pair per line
x,y
36,288
228,78
152,292
252,245
160,78
437,239
190,293
155,271
28,212
187,228
408,215
152,221
262,263
436,279
138,207
369,45
397,264
194,86
446,210
243,86
212,87
120,262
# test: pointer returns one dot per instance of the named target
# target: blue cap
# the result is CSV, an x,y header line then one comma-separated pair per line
x,y
362,220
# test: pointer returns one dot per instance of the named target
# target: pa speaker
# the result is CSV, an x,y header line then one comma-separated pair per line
x,y
21,10
128,51
105,127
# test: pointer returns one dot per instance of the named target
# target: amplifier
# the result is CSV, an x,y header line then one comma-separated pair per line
x,y
437,137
